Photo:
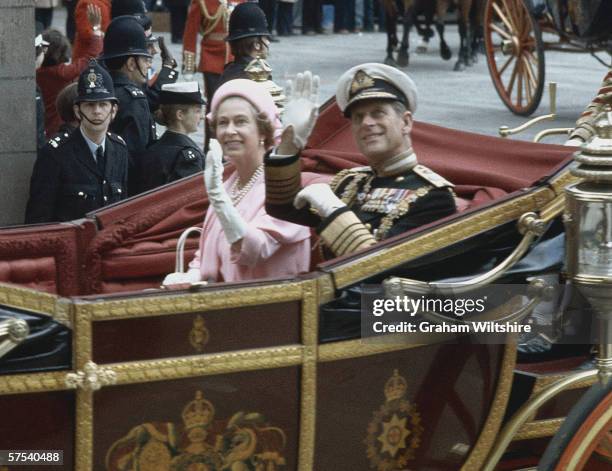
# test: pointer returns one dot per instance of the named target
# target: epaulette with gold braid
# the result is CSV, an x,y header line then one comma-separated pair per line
x,y
346,173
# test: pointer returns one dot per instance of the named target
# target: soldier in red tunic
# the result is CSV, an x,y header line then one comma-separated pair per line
x,y
209,18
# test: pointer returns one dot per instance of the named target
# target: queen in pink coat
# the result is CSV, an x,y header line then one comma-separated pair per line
x,y
239,240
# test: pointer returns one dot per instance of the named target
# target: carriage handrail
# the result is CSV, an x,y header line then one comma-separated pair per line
x,y
529,225
551,132
505,131
537,292
527,411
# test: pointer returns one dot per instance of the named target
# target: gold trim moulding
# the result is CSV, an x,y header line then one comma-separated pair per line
x,y
33,382
564,179
358,348
544,381
538,429
164,304
38,302
206,365
441,237
492,425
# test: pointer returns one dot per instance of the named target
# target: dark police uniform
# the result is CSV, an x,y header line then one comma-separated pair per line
x,y
66,182
235,70
125,37
165,76
171,158
133,121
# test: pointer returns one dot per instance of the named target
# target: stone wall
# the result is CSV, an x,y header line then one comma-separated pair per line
x,y
17,107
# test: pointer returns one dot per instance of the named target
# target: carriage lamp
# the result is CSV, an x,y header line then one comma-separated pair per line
x,y
260,71
588,220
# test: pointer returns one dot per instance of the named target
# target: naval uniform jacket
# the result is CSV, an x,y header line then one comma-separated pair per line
x,y
66,182
172,157
377,207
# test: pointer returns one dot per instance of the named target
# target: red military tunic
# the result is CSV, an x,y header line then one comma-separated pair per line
x,y
208,18
84,32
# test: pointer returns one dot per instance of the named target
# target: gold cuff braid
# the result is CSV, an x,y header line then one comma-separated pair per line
x,y
282,183
188,62
346,234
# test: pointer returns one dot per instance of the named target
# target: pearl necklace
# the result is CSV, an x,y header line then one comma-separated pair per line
x,y
237,193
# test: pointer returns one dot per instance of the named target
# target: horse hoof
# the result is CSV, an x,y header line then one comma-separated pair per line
x,y
390,61
403,59
445,52
459,66
422,47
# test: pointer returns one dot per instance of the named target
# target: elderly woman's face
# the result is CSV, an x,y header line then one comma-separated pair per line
x,y
237,130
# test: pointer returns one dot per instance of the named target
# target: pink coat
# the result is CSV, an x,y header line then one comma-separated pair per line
x,y
271,248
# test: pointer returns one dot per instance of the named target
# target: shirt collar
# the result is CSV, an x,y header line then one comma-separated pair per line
x,y
93,147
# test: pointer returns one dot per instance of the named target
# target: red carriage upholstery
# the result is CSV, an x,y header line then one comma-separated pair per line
x,y
46,257
131,245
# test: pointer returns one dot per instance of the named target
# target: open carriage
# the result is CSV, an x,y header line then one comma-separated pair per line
x,y
518,32
272,374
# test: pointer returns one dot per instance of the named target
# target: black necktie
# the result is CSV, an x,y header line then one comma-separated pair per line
x,y
100,159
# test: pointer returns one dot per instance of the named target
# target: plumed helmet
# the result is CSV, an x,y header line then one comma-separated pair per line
x,y
127,7
95,84
247,20
124,37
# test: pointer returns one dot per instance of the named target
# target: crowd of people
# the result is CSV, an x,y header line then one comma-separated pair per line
x,y
100,113
285,17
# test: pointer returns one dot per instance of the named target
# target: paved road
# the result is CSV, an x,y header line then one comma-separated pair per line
x,y
463,100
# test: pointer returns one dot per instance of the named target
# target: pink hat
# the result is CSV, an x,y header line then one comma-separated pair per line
x,y
253,92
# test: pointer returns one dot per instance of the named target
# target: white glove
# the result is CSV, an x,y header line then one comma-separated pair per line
x,y
320,197
190,276
231,221
302,107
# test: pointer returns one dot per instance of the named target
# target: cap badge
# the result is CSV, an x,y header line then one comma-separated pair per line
x,y
360,81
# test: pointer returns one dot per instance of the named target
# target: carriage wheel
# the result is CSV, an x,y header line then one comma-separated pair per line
x,y
515,54
584,441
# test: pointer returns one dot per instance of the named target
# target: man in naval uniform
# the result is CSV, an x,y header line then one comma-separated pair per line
x,y
367,204
87,169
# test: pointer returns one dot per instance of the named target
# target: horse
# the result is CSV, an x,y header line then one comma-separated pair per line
x,y
470,19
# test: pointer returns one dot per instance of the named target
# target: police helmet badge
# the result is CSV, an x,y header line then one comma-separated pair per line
x,y
92,79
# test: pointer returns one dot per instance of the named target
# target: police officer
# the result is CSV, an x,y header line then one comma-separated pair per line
x,y
361,205
175,155
125,54
248,37
79,172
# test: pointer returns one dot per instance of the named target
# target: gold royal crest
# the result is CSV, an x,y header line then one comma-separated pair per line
x,y
202,443
395,430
